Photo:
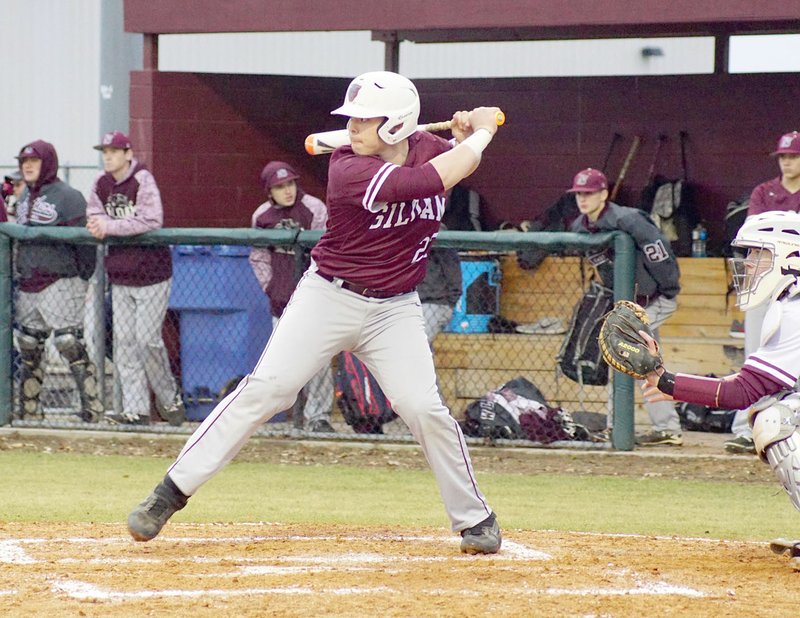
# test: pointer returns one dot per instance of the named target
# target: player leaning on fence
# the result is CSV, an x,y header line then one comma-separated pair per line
x,y
385,200
125,201
657,275
52,279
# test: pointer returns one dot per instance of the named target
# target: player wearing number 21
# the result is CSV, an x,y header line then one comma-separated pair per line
x,y
386,198
657,275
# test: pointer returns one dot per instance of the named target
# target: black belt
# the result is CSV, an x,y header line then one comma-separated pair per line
x,y
356,288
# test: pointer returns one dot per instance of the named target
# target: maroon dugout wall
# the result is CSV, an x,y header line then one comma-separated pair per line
x,y
208,136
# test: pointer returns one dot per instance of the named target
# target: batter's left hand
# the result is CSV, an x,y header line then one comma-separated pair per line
x,y
460,127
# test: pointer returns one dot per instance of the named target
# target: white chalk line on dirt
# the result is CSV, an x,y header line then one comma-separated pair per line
x,y
12,551
83,590
511,549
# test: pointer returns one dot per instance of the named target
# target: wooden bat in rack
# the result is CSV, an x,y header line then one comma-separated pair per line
x,y
625,165
328,141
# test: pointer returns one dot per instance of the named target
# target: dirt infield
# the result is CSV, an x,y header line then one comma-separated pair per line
x,y
278,570
701,458
266,569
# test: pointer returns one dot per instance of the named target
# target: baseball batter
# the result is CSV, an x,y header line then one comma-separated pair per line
x,y
768,276
386,198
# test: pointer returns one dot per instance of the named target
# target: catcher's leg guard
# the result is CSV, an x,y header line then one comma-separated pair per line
x,y
31,376
68,342
777,441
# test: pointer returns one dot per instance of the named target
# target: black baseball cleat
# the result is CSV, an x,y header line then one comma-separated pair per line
x,y
485,538
147,519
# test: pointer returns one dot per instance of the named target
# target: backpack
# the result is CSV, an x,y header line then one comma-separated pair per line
x,y
735,214
519,410
580,358
362,402
496,414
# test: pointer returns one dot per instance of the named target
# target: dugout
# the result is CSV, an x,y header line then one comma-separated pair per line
x,y
207,135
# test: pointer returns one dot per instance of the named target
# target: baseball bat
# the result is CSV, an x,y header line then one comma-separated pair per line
x,y
328,141
626,164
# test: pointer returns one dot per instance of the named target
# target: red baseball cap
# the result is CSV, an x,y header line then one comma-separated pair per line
x,y
788,144
114,139
29,152
589,181
277,172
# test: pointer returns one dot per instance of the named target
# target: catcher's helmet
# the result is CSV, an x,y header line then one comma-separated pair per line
x,y
761,275
383,94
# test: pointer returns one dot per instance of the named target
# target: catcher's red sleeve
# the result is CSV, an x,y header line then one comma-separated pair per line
x,y
734,392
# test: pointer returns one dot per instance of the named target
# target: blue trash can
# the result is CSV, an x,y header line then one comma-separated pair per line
x,y
224,320
480,297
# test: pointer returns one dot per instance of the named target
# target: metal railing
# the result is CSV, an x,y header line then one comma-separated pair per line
x,y
624,265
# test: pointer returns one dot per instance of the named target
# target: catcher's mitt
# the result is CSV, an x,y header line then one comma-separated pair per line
x,y
622,346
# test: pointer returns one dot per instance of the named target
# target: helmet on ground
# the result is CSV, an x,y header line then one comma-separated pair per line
x,y
383,94
772,263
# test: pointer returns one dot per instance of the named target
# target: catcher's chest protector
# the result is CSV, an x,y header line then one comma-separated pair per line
x,y
580,357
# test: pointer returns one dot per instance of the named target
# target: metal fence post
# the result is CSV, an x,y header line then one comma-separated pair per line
x,y
6,388
624,273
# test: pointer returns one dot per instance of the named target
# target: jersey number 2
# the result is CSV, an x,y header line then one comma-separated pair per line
x,y
422,252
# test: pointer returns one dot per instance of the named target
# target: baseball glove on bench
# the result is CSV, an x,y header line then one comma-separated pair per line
x,y
622,346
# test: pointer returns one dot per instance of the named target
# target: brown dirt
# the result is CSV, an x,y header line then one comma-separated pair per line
x,y
264,569
280,570
701,458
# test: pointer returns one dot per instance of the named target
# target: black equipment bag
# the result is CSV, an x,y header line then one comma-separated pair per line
x,y
362,402
580,358
673,209
697,417
465,210
735,214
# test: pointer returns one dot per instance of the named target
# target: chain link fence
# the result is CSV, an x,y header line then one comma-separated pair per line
x,y
160,352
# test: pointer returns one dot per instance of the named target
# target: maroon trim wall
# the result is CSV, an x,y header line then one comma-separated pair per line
x,y
206,137
172,16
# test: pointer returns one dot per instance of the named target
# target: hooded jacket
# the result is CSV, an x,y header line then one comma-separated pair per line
x,y
50,202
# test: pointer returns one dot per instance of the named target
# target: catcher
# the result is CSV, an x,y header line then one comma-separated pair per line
x,y
768,275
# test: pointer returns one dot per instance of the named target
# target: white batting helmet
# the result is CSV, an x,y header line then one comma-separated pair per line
x,y
383,94
759,277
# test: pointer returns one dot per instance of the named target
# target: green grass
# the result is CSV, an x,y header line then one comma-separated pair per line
x,y
64,487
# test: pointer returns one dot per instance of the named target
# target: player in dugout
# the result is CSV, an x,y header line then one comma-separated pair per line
x,y
385,197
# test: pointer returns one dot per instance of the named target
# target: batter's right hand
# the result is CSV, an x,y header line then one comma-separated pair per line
x,y
484,118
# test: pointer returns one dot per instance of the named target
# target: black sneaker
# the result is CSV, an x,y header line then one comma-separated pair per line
x,y
658,438
322,426
175,412
147,519
127,419
742,444
485,538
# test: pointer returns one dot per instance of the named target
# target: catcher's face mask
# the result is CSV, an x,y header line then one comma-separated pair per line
x,y
749,272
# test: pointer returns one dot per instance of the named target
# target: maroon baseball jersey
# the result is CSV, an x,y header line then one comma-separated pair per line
x,y
382,218
772,195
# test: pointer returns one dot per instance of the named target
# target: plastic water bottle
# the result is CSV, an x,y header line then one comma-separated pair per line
x,y
699,238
